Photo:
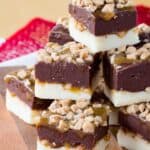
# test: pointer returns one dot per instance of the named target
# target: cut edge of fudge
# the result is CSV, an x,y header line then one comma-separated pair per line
x,y
70,61
136,118
20,84
130,140
101,43
127,65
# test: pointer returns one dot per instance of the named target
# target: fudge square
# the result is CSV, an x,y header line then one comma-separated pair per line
x,y
100,25
127,72
103,17
66,72
74,125
135,126
20,98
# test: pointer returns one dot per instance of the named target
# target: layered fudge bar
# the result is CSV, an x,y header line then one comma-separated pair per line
x,y
66,71
135,123
20,98
60,33
73,125
100,25
127,73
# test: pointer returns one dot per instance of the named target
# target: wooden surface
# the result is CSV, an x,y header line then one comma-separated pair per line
x,y
15,13
14,133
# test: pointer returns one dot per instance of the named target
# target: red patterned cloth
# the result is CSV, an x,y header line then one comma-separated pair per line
x,y
29,39
143,14
35,35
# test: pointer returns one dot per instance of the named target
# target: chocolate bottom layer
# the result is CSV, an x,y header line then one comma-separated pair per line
x,y
27,96
71,137
135,124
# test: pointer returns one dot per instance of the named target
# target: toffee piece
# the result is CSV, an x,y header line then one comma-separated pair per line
x,y
127,72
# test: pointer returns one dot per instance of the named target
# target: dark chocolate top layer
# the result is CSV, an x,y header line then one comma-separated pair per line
x,y
135,124
26,95
78,75
98,26
72,137
129,77
60,34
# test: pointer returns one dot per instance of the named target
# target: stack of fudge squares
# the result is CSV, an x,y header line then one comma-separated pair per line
x,y
92,76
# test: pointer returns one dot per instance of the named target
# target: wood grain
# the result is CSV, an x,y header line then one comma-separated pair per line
x,y
10,137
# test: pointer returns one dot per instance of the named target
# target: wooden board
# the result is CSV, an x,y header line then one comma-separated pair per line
x,y
14,133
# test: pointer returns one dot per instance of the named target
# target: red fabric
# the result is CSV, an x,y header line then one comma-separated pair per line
x,y
35,35
143,14
28,39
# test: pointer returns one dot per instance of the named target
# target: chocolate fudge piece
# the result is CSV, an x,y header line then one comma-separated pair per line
x,y
102,42
104,17
127,72
74,123
20,95
135,119
69,69
60,33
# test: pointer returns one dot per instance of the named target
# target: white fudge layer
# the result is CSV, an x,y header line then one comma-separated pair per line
x,y
132,141
58,91
102,43
20,109
101,145
123,98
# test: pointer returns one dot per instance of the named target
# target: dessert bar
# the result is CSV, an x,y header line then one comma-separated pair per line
x,y
130,140
20,98
127,73
73,124
66,71
135,123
